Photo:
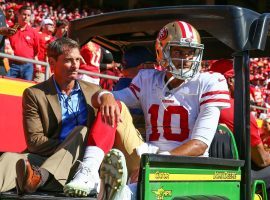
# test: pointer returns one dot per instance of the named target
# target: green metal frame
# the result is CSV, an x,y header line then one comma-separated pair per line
x,y
259,185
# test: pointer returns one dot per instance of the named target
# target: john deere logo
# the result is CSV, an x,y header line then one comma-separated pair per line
x,y
161,193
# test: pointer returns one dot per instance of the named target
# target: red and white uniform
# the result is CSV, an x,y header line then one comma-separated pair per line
x,y
171,115
91,53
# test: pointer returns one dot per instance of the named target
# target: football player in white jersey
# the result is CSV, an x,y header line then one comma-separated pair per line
x,y
181,105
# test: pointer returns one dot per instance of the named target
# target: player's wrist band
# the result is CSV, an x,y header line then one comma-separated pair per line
x,y
100,94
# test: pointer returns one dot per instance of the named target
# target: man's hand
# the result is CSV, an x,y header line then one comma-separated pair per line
x,y
7,31
110,110
108,106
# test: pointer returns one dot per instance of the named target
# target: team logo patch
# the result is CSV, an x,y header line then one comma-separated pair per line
x,y
163,33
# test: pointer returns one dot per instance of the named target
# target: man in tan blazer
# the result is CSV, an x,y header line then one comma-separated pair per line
x,y
57,115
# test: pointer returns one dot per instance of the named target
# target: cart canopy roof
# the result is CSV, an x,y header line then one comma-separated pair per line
x,y
223,29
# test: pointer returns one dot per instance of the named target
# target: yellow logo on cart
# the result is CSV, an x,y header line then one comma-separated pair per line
x,y
161,193
215,176
225,176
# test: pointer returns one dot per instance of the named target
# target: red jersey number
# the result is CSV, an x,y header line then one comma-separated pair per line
x,y
180,110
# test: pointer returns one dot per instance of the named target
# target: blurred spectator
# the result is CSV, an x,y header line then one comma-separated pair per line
x,y
45,37
10,23
10,16
266,133
51,11
107,61
25,43
76,14
84,13
62,15
61,28
256,92
3,5
91,53
110,67
54,16
4,31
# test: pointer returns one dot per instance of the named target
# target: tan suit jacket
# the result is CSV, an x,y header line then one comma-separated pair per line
x,y
42,115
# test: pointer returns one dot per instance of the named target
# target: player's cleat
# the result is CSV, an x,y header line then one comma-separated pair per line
x,y
84,183
113,174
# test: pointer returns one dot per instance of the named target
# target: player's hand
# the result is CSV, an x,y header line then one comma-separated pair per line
x,y
110,110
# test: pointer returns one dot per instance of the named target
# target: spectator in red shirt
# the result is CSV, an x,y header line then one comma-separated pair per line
x,y
9,16
259,156
25,43
10,23
45,37
4,32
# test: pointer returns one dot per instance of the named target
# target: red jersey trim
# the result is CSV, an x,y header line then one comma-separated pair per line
x,y
215,101
133,91
215,92
135,87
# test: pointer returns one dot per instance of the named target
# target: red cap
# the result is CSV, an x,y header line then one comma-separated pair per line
x,y
223,66
17,7
8,7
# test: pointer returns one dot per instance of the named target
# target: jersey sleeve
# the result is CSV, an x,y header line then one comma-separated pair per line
x,y
206,125
131,95
215,91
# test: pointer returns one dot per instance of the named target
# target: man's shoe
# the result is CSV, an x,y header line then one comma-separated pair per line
x,y
113,174
28,178
84,183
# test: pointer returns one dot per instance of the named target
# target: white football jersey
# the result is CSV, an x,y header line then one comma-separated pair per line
x,y
170,115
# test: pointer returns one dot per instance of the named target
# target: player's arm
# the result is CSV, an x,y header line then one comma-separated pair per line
x,y
259,156
128,97
131,95
202,133
193,147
